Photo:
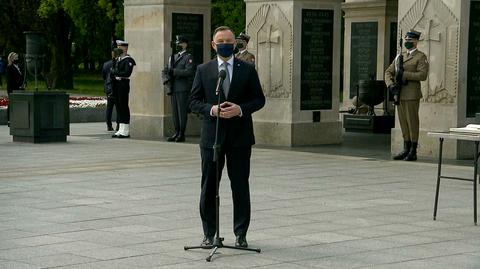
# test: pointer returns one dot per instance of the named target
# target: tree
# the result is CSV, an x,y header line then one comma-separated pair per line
x,y
88,26
17,16
230,13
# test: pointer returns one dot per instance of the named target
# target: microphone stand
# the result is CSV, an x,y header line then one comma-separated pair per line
x,y
218,241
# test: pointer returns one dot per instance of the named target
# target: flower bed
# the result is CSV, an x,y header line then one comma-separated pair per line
x,y
87,102
75,102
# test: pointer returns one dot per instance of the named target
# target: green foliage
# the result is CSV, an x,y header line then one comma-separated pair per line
x,y
17,16
230,13
114,11
49,7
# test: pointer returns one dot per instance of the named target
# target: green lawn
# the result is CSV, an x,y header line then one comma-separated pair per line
x,y
84,84
89,84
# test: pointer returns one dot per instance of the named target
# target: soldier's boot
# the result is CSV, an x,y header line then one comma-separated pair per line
x,y
120,130
125,133
406,149
180,137
173,137
412,155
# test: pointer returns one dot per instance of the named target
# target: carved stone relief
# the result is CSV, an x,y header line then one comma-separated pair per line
x,y
439,41
273,45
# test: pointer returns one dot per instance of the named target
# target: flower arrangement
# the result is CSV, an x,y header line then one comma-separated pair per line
x,y
75,102
3,102
81,102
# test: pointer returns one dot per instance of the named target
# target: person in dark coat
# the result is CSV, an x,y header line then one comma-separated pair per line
x,y
107,86
180,74
15,79
240,97
14,74
121,71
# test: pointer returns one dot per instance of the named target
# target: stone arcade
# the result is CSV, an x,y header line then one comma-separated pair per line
x,y
297,44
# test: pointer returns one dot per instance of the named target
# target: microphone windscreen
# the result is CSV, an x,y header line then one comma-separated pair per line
x,y
222,74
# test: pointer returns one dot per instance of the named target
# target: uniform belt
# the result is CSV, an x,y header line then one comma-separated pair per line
x,y
121,78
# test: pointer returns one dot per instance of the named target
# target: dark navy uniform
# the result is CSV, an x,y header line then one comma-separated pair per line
x,y
121,71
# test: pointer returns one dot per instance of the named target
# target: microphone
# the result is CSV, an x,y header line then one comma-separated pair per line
x,y
221,76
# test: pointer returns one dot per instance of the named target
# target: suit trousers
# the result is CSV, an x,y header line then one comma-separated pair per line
x,y
121,101
238,168
109,110
179,111
409,120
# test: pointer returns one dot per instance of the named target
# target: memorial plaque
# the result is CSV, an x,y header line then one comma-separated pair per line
x,y
363,53
316,59
191,26
473,74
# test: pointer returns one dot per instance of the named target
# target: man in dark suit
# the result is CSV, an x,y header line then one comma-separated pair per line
x,y
241,96
180,73
107,87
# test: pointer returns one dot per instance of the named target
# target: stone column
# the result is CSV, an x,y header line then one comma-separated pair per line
x,y
297,49
148,29
370,42
446,98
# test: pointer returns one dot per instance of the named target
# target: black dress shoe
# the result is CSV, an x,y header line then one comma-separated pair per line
x,y
123,136
114,136
109,128
207,241
241,241
180,139
172,138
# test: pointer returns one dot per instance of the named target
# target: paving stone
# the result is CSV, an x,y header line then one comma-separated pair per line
x,y
134,204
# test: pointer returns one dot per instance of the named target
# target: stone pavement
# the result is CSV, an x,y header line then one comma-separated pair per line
x,y
97,202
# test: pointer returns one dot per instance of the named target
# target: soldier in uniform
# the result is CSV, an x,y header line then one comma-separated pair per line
x,y
181,76
121,70
415,67
243,54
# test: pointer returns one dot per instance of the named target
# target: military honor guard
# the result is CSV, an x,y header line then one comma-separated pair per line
x,y
242,44
415,69
180,73
121,71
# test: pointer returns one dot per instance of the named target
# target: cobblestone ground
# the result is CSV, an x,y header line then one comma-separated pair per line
x,y
98,202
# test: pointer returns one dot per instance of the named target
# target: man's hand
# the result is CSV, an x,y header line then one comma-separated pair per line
x,y
229,110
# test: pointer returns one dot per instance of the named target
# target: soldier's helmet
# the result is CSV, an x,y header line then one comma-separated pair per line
x,y
243,36
181,39
412,34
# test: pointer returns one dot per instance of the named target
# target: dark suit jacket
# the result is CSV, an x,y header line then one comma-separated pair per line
x,y
107,80
245,91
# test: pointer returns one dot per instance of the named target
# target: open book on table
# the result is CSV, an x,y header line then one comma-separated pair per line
x,y
470,128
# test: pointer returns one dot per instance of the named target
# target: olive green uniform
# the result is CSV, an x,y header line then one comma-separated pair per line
x,y
415,70
245,56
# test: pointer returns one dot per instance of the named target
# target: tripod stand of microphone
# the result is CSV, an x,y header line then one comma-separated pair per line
x,y
218,241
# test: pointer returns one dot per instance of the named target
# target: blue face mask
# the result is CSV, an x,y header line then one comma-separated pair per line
x,y
225,49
